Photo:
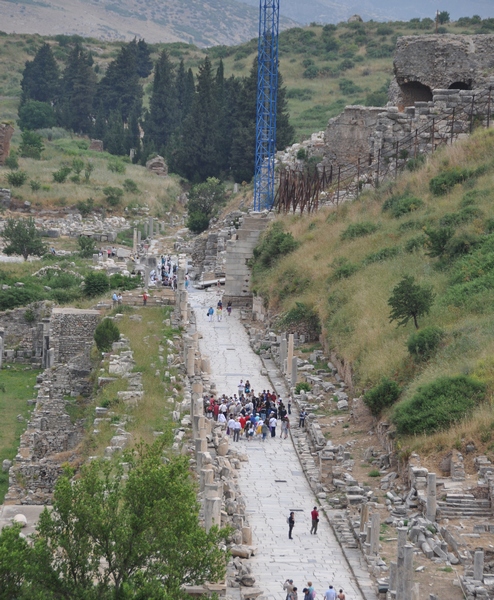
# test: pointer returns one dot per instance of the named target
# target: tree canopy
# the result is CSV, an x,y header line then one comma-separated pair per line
x,y
113,535
410,300
22,238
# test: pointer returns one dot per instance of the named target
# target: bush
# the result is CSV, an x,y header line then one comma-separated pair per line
x,y
15,297
96,284
438,405
11,161
344,269
124,282
113,195
444,182
403,204
115,165
423,344
416,243
437,240
311,72
31,145
35,185
61,175
87,246
414,164
464,243
356,230
129,185
17,178
349,88
197,222
302,386
305,316
105,334
274,244
382,396
382,254
85,207
36,115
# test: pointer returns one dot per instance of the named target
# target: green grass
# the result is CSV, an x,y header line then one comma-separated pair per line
x,y
15,389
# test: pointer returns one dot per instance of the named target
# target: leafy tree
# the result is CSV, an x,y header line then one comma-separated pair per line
x,y
96,284
31,145
11,161
113,195
78,89
144,64
205,199
14,551
22,238
105,334
437,240
86,245
17,178
117,535
410,301
36,115
443,17
382,396
41,76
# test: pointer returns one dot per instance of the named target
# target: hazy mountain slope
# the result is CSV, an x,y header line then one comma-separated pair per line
x,y
331,11
193,21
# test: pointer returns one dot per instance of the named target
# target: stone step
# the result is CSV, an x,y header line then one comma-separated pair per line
x,y
448,512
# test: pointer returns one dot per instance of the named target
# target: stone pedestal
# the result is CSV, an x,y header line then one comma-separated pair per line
x,y
478,565
206,477
392,576
402,540
364,517
294,378
191,358
139,237
212,512
375,530
431,497
151,227
283,351
246,536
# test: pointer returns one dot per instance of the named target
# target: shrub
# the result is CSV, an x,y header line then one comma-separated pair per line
x,y
464,243
113,195
344,269
437,240
274,244
382,254
356,230
444,182
423,344
197,222
115,165
374,473
348,87
382,396
17,178
36,115
96,284
11,161
301,154
311,72
129,185
304,315
403,204
414,164
87,246
35,185
31,145
61,175
302,385
124,282
85,207
105,334
438,405
416,243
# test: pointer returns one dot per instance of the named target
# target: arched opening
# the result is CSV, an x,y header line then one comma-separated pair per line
x,y
460,85
415,91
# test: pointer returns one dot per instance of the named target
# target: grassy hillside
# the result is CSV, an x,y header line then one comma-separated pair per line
x,y
323,69
349,260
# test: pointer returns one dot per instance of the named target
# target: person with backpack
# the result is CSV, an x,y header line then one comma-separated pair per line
x,y
312,591
210,314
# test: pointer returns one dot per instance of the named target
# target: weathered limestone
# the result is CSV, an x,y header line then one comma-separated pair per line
x,y
158,166
289,359
431,497
294,378
375,531
478,565
364,517
400,564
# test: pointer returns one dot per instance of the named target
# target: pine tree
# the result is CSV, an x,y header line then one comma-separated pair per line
x,y
115,138
144,62
120,89
185,91
78,90
162,118
41,77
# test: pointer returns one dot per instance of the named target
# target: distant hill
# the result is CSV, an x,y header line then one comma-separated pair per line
x,y
331,11
196,22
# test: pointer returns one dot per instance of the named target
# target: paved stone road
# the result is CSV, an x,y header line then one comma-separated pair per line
x,y
272,483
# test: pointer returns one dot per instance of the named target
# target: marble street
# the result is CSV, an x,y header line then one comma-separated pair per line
x,y
272,482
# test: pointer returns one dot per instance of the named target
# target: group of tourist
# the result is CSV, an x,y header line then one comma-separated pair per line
x,y
219,311
250,415
309,592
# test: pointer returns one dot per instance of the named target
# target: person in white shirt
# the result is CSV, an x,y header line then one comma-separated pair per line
x,y
241,388
236,430
222,418
272,426
230,425
330,593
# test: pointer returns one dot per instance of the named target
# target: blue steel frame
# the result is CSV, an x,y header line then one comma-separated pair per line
x,y
267,95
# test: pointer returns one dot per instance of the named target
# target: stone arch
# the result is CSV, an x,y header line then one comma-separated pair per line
x,y
414,91
460,85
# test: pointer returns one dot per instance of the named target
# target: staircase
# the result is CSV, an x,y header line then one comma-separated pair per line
x,y
457,506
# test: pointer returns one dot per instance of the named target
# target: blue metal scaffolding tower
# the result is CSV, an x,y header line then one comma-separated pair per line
x,y
267,94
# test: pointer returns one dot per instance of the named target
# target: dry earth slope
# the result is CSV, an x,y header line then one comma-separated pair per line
x,y
203,23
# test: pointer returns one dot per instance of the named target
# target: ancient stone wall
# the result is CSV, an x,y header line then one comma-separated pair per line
x,y
425,63
71,332
23,332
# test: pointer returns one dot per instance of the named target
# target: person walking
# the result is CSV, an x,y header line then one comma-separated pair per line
x,y
236,430
291,525
210,314
294,594
145,299
301,418
272,426
330,593
264,430
229,308
285,426
312,591
314,515
341,595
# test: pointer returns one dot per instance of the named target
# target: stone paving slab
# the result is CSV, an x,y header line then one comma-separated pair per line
x,y
307,557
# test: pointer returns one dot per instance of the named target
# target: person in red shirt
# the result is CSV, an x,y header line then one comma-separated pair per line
x,y
314,515
243,420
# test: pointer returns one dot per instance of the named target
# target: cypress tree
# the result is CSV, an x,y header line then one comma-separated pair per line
x,y
162,117
41,77
115,138
144,62
78,88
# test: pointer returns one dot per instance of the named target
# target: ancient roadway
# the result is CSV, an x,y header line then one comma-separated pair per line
x,y
272,482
